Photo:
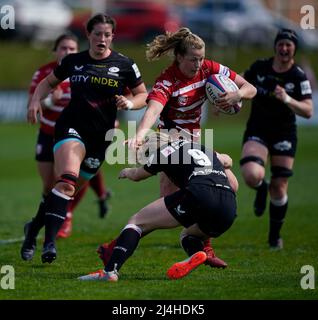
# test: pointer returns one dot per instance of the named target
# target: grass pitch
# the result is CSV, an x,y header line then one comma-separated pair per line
x,y
254,272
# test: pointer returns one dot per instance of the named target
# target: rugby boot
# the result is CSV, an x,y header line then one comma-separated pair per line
x,y
276,244
183,268
260,199
48,252
105,251
111,276
212,260
29,243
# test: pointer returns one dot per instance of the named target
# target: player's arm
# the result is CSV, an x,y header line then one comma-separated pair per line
x,y
232,180
148,120
134,174
135,99
302,108
225,160
227,163
41,92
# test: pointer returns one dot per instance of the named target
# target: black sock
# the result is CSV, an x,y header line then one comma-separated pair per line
x,y
38,221
262,185
191,245
125,246
276,215
55,213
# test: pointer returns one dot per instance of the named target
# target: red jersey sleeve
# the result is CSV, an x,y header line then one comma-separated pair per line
x,y
216,67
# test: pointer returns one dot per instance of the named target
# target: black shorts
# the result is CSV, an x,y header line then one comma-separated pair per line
x,y
44,147
278,144
95,146
212,208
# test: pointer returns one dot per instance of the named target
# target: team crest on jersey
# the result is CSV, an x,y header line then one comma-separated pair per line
x,y
182,100
289,86
113,71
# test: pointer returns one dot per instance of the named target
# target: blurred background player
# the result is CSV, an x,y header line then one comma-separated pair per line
x,y
283,91
179,93
53,105
204,204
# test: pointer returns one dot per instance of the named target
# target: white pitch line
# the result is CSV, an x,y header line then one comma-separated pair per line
x,y
15,240
8,241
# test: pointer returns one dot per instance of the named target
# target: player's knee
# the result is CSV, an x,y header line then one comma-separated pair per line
x,y
252,168
66,184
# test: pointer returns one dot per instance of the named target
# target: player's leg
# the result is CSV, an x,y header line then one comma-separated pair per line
x,y
153,216
281,167
45,166
99,187
253,159
66,228
68,156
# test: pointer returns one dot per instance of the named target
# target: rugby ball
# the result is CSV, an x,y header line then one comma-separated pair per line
x,y
218,83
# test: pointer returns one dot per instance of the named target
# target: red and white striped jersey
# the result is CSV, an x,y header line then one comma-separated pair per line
x,y
50,114
181,97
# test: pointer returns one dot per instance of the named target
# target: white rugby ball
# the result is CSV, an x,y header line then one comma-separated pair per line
x,y
218,83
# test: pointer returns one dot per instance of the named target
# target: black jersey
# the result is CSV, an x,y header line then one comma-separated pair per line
x,y
94,84
267,111
187,163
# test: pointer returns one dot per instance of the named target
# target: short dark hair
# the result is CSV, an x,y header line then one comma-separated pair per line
x,y
100,18
64,36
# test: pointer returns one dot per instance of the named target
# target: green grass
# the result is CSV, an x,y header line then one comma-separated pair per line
x,y
254,272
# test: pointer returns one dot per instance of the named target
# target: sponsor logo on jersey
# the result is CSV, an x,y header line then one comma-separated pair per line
x,y
167,151
167,83
92,163
137,72
260,78
219,173
283,145
179,211
78,68
224,70
105,81
305,87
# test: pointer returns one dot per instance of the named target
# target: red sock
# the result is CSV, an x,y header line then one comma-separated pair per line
x,y
207,243
78,197
97,184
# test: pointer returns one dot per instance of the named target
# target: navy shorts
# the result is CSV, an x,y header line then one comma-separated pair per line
x,y
44,147
212,208
278,144
94,144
